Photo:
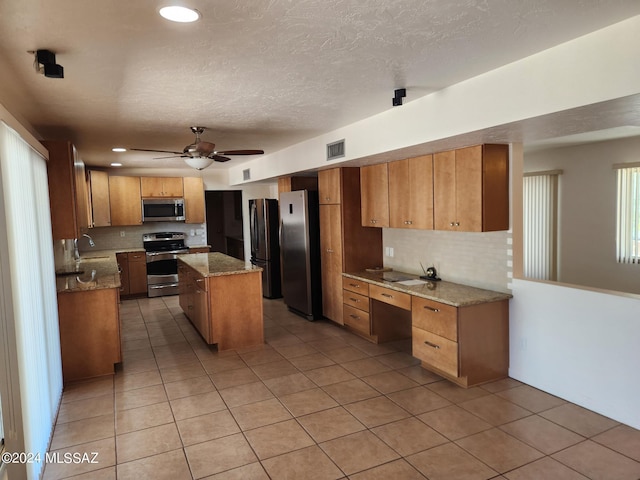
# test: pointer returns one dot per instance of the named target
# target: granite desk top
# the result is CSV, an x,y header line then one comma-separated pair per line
x,y
448,293
217,264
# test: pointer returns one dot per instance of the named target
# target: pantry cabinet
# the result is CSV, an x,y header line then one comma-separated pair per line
x,y
98,183
67,190
126,201
411,193
152,187
374,184
193,200
471,189
345,245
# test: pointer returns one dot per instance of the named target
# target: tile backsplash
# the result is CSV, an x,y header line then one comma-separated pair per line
x,y
110,238
481,260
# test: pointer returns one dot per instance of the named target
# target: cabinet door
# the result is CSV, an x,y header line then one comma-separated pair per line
x,y
194,200
137,272
469,189
126,202
123,268
99,194
374,195
399,194
201,308
421,192
329,186
444,190
331,261
161,186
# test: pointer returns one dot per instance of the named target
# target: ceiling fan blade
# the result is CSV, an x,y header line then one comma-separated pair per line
x,y
219,158
156,151
171,156
241,152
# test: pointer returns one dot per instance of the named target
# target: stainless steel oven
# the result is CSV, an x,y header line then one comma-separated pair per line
x,y
162,251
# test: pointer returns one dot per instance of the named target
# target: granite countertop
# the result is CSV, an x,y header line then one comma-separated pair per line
x,y
216,264
93,271
448,293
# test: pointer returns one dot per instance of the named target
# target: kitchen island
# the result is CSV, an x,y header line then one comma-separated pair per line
x,y
89,318
222,297
457,331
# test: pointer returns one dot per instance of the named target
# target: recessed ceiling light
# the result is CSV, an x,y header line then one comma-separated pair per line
x,y
179,14
116,164
118,149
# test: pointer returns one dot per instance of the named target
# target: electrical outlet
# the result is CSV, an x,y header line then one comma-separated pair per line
x,y
122,233
388,251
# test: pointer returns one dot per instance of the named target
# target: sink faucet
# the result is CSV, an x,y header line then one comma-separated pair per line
x,y
91,242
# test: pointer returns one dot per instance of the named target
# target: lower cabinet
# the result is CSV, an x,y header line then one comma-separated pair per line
x,y
89,333
468,345
133,273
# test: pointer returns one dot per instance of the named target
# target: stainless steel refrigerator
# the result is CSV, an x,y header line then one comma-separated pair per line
x,y
300,252
265,246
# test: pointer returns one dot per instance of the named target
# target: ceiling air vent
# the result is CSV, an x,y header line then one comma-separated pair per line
x,y
246,174
335,150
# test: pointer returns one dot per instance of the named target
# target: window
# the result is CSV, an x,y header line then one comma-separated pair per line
x,y
628,214
540,231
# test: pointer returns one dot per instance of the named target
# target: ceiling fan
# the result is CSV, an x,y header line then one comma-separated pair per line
x,y
201,150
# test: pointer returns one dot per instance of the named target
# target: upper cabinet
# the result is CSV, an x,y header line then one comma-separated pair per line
x,y
193,199
291,184
126,204
411,193
329,186
100,204
67,190
374,184
471,189
161,187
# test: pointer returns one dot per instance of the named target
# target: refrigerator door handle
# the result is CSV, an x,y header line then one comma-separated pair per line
x,y
255,238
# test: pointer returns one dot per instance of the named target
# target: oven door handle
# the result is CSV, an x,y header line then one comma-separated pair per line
x,y
157,256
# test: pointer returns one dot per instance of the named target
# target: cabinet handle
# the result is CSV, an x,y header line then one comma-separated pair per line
x,y
452,224
373,220
432,345
354,299
354,285
329,250
436,310
386,295
355,317
408,222
457,224
327,198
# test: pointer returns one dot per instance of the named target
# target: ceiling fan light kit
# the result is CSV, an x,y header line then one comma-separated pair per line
x,y
201,154
180,14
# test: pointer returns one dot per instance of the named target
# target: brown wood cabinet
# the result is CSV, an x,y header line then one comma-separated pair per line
x,y
374,184
67,190
193,200
291,184
133,273
98,182
345,245
411,193
471,189
89,333
126,200
199,249
468,345
161,187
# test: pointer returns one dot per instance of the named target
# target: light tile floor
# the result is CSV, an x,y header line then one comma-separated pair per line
x,y
316,402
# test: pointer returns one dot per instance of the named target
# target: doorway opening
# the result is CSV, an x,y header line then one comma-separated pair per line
x,y
224,222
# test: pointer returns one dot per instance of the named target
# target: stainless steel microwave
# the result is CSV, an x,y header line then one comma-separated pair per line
x,y
162,210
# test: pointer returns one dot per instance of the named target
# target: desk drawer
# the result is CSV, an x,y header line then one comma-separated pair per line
x,y
435,317
392,297
355,286
357,319
356,300
436,351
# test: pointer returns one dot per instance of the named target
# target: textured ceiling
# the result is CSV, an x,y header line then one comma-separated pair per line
x,y
258,74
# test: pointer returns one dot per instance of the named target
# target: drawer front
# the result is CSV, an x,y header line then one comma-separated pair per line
x,y
435,351
137,256
357,319
355,286
435,317
356,300
392,297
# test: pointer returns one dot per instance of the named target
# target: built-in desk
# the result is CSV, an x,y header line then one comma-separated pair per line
x,y
457,331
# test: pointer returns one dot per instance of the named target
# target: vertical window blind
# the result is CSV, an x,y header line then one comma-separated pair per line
x,y
628,214
540,218
29,324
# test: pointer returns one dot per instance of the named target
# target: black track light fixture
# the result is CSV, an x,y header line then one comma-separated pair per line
x,y
45,62
398,95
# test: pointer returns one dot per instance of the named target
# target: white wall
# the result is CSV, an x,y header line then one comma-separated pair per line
x,y
579,345
587,216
